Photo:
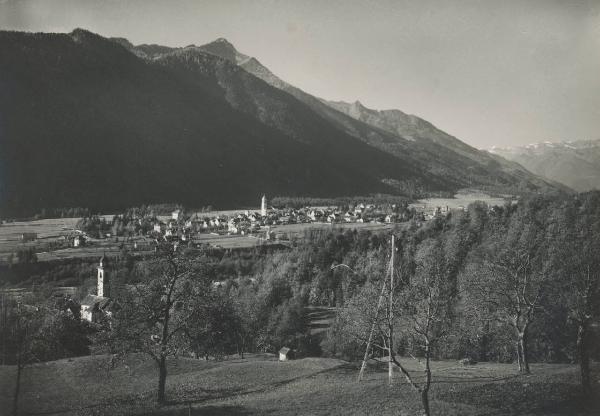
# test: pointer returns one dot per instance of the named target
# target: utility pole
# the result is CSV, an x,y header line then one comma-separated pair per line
x,y
366,357
391,317
390,324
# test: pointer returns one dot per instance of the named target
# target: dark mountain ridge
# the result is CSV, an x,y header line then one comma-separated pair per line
x,y
88,121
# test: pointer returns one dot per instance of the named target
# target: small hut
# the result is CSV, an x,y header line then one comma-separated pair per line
x,y
29,237
285,354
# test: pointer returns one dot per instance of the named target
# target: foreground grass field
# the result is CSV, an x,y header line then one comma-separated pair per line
x,y
260,385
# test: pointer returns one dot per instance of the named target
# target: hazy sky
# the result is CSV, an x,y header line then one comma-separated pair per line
x,y
489,72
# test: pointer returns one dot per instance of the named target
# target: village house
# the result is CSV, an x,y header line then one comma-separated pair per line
x,y
78,240
232,227
333,217
316,215
286,354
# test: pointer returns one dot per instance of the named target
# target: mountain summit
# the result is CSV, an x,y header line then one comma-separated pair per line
x,y
223,48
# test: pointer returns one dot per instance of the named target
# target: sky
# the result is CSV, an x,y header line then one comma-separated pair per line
x,y
492,73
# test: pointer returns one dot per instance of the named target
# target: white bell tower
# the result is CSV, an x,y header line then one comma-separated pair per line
x,y
263,206
102,280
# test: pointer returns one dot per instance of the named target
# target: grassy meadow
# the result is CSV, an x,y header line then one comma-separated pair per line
x,y
260,385
460,200
47,230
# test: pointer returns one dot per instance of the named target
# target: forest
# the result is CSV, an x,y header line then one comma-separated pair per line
x,y
518,283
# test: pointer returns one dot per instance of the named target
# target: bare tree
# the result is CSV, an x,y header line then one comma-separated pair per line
x,y
23,322
507,287
507,278
583,301
424,304
154,316
578,275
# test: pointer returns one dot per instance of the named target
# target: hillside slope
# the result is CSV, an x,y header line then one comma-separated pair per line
x,y
260,385
575,164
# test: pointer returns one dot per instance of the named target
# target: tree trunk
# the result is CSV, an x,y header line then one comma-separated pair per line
x,y
584,358
162,379
425,401
15,409
425,391
522,352
242,347
19,370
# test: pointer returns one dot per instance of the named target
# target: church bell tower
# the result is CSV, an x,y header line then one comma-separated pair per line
x,y
263,206
102,279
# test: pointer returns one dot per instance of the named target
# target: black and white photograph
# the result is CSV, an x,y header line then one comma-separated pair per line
x,y
299,207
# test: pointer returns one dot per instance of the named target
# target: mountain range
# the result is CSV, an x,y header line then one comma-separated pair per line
x,y
99,122
575,164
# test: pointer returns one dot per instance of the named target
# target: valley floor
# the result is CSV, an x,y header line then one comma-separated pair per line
x,y
259,385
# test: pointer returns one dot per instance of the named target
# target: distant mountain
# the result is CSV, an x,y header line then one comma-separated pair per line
x,y
101,123
575,164
407,137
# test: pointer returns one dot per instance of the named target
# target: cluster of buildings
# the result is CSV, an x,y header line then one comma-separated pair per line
x,y
251,222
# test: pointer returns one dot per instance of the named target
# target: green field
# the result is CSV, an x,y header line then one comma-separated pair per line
x,y
286,232
260,385
49,230
460,200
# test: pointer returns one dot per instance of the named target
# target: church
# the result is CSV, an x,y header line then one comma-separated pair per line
x,y
93,307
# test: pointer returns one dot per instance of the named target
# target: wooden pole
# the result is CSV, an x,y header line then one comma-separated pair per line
x,y
391,317
379,304
366,356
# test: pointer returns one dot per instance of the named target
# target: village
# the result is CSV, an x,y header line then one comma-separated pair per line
x,y
270,223
137,230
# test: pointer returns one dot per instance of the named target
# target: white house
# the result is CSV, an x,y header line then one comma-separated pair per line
x,y
285,354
